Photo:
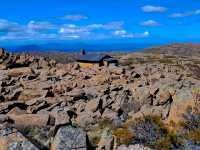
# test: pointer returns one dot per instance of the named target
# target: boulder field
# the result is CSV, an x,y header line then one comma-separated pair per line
x,y
47,105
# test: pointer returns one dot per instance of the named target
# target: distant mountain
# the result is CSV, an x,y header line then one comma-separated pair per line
x,y
75,47
187,49
25,48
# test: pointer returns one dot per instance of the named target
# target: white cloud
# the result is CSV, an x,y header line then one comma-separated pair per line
x,y
39,26
120,32
197,12
75,17
125,34
73,29
185,14
151,8
63,37
28,36
108,26
8,26
88,29
113,25
150,23
179,15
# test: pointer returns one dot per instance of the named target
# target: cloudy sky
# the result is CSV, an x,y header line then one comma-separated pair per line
x,y
139,21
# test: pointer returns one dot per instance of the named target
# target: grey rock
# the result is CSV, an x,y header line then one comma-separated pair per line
x,y
22,145
68,138
3,118
133,147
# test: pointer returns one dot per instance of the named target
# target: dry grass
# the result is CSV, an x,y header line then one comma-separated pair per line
x,y
123,135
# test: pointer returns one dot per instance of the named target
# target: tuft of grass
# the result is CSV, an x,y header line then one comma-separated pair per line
x,y
94,136
95,132
123,136
194,136
169,142
105,123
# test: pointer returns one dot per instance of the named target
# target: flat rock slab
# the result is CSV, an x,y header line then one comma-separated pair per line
x,y
16,72
69,138
27,120
7,106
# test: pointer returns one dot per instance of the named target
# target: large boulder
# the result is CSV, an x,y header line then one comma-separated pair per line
x,y
68,138
92,105
181,101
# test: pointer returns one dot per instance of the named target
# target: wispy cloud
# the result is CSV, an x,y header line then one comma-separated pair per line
x,y
125,34
70,29
87,29
185,14
8,26
150,23
74,17
151,8
108,26
39,26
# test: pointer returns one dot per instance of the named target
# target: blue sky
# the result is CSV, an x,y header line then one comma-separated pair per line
x,y
99,21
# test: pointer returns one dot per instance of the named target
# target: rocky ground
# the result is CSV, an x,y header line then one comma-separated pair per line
x,y
151,101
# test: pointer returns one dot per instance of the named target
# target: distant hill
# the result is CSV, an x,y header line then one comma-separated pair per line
x,y
75,47
185,49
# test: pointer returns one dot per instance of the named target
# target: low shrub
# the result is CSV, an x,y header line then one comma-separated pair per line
x,y
191,120
147,130
169,142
